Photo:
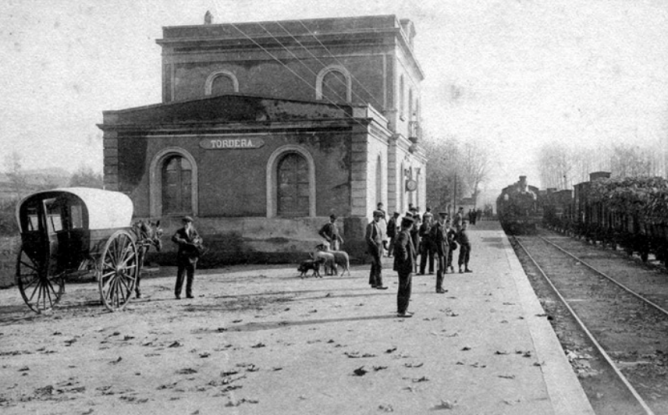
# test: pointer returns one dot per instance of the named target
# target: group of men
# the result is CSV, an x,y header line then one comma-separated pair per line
x,y
417,235
413,236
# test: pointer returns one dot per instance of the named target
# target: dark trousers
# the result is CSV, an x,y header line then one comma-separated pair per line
x,y
441,261
426,252
464,255
404,293
185,267
375,276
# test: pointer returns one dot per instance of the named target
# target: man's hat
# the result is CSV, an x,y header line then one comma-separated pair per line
x,y
377,213
397,214
443,214
187,219
407,221
332,216
427,214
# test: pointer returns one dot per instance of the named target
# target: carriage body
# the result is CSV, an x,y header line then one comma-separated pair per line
x,y
71,230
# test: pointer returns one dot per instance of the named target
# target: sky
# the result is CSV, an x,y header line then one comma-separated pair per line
x,y
510,74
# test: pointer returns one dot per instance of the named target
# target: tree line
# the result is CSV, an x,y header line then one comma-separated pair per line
x,y
561,166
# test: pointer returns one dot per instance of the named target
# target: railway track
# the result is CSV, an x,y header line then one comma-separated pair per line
x,y
610,315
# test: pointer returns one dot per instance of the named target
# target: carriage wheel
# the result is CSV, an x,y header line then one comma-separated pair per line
x,y
39,290
117,270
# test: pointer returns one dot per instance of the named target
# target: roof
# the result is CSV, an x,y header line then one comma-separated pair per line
x,y
106,209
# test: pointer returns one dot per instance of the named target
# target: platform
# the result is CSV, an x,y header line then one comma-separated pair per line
x,y
259,340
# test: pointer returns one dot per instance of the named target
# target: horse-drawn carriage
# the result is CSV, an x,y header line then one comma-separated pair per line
x,y
73,231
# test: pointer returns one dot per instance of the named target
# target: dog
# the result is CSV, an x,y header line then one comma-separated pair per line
x,y
327,259
340,258
310,264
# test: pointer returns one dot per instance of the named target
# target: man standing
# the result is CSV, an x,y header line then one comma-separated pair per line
x,y
391,232
330,232
189,243
404,262
374,242
426,245
441,239
459,218
464,248
415,236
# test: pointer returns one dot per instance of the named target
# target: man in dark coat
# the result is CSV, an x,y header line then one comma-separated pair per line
x,y
391,232
426,244
374,242
189,243
404,263
441,239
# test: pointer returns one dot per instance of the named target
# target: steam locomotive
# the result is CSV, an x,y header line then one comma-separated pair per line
x,y
518,208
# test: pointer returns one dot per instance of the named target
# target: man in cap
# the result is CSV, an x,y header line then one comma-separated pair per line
x,y
330,232
441,238
374,241
404,263
190,244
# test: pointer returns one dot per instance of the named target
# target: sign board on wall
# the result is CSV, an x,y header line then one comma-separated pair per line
x,y
244,142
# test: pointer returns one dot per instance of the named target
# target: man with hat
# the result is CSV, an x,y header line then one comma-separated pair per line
x,y
330,232
404,263
190,244
374,242
440,235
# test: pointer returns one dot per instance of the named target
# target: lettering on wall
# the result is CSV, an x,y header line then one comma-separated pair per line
x,y
232,143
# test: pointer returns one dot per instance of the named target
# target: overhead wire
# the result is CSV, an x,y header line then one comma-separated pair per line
x,y
344,98
337,60
295,73
352,76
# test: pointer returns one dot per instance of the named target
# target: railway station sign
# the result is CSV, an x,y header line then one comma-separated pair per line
x,y
232,143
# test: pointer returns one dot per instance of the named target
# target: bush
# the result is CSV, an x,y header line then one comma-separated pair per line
x,y
8,226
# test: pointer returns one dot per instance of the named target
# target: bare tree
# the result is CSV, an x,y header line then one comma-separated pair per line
x,y
633,161
475,167
443,163
555,163
15,173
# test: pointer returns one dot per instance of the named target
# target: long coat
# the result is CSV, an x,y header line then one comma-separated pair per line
x,y
442,238
404,252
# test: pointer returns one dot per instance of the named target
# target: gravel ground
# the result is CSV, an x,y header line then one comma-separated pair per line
x,y
258,340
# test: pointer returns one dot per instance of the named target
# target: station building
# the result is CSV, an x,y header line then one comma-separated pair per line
x,y
267,128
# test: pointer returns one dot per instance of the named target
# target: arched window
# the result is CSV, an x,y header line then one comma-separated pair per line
x,y
290,182
293,186
220,83
176,185
173,183
334,84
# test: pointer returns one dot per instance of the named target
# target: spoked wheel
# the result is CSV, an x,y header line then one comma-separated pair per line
x,y
39,290
117,270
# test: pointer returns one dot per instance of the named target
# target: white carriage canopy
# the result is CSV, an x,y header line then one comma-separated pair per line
x,y
106,209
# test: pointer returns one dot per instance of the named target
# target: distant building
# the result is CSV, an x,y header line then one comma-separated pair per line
x,y
267,128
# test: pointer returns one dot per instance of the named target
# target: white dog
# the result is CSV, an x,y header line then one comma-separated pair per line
x,y
340,258
327,258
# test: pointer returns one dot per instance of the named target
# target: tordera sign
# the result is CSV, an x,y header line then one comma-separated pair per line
x,y
232,143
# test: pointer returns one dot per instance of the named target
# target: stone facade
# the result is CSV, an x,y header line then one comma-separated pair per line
x,y
338,97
